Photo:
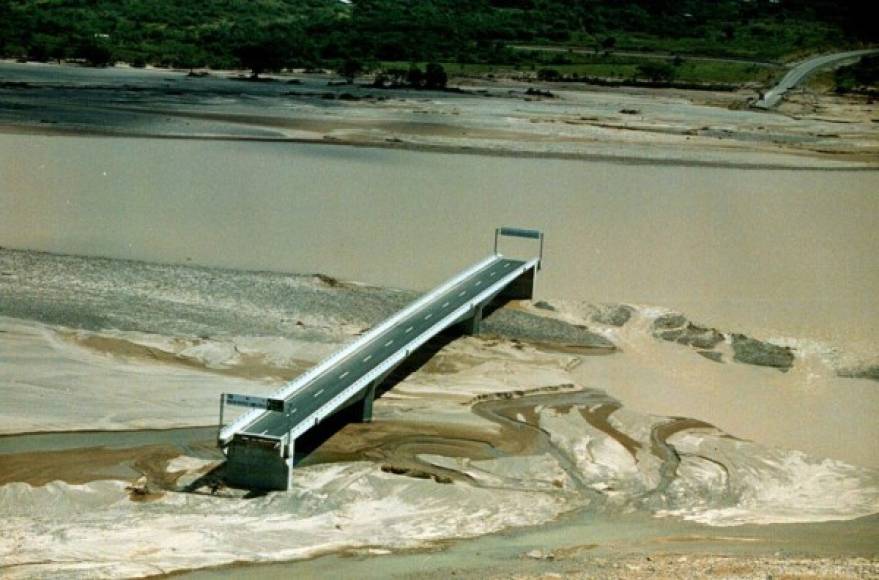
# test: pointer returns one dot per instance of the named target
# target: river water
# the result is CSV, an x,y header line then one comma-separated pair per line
x,y
770,252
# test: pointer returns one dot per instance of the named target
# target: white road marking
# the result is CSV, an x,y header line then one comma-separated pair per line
x,y
390,342
366,358
493,274
446,303
408,330
428,316
318,393
264,432
294,410
462,292
507,265
345,374
479,282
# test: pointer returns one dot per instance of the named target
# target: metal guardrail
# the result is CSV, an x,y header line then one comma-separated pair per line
x,y
389,363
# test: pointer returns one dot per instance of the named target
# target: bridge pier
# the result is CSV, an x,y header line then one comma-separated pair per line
x,y
362,412
473,324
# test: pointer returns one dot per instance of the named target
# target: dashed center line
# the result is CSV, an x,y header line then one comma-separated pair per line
x,y
446,303
367,357
408,330
507,265
479,282
493,274
390,342
462,292
317,394
345,374
428,316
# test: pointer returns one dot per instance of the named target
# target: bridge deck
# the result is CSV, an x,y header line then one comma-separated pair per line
x,y
339,379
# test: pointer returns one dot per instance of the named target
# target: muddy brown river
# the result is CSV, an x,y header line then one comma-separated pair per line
x,y
771,252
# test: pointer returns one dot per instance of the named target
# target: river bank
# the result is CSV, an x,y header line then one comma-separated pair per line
x,y
496,117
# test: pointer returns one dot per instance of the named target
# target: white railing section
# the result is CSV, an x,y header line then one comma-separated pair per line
x,y
461,313
304,379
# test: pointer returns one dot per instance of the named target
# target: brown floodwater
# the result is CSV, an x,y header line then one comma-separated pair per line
x,y
770,252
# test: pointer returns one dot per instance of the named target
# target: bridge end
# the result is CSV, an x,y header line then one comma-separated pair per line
x,y
520,233
522,288
258,462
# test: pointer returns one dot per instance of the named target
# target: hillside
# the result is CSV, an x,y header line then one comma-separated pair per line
x,y
273,34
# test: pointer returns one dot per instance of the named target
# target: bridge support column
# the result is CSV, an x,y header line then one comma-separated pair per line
x,y
473,324
363,408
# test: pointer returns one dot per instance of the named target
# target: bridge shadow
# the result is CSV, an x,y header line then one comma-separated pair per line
x,y
310,441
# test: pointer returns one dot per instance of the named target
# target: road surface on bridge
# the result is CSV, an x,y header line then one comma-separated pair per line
x,y
326,385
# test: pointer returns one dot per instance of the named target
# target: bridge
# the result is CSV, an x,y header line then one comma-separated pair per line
x,y
259,445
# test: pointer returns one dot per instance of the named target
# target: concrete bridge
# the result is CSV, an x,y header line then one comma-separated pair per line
x,y
259,445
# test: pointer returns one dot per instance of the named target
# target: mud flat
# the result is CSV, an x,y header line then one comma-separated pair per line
x,y
495,118
517,439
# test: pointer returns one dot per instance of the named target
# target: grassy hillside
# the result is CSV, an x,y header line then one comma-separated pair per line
x,y
271,34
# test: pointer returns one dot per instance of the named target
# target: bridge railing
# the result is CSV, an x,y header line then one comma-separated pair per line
x,y
520,233
304,379
389,363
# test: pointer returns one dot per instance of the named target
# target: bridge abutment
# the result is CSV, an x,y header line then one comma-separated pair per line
x,y
257,463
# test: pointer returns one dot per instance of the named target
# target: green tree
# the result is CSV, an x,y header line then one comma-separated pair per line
x,y
414,77
435,76
549,75
656,71
350,69
95,52
265,53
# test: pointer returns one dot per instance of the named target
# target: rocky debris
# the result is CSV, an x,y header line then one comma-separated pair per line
x,y
712,355
658,565
508,395
756,352
669,321
416,473
612,314
532,92
676,328
515,324
539,555
143,490
865,372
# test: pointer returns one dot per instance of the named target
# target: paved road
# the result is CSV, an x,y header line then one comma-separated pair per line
x,y
643,54
794,76
328,384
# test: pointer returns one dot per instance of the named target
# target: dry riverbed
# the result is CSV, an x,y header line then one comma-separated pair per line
x,y
497,117
546,437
